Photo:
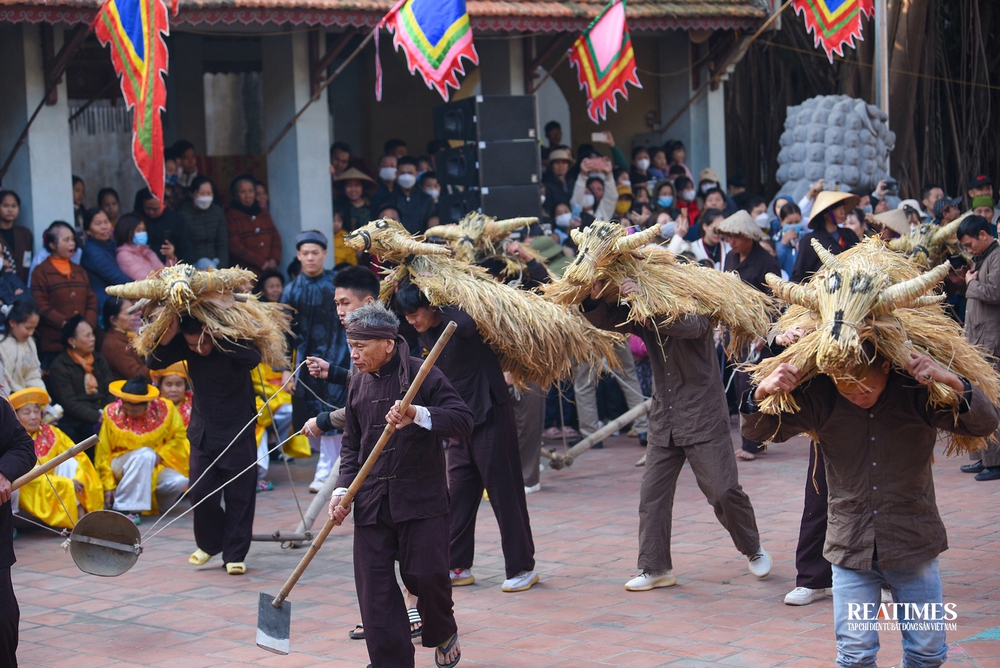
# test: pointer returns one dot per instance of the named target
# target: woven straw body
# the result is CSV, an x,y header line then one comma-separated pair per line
x,y
209,296
873,294
668,289
536,341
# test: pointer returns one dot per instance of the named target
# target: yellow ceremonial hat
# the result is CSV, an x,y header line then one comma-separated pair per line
x,y
135,391
29,395
175,369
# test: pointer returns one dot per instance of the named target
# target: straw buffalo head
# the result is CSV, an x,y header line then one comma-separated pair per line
x,y
389,240
847,292
477,234
930,244
600,245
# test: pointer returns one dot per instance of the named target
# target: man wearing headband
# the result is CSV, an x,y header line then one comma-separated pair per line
x,y
75,482
17,457
489,458
143,449
318,333
401,510
223,404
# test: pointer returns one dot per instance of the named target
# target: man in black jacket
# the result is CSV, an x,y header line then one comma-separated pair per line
x,y
17,457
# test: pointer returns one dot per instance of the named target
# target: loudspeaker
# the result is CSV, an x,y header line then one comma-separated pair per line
x,y
452,206
497,163
487,118
511,201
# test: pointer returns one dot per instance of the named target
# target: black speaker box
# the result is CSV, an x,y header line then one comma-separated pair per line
x,y
452,206
487,118
496,163
511,201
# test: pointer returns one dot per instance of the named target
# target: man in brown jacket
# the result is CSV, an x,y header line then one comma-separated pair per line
x,y
878,437
982,318
689,421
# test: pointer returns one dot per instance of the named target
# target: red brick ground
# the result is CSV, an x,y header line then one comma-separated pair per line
x,y
166,613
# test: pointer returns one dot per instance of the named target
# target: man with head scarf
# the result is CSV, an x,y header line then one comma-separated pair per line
x,y
401,509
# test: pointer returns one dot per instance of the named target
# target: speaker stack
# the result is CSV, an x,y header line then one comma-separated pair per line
x,y
494,165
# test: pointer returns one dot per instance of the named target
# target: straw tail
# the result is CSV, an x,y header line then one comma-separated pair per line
x,y
903,295
793,293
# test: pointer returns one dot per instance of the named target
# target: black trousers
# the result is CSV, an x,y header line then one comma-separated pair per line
x,y
421,546
10,617
489,459
224,530
812,568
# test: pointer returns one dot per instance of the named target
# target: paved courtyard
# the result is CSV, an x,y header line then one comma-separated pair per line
x,y
166,613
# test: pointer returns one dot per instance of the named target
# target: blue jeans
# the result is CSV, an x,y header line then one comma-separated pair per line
x,y
856,648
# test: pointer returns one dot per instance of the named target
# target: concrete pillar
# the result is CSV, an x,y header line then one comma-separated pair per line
x,y
501,66
702,127
41,173
298,169
186,92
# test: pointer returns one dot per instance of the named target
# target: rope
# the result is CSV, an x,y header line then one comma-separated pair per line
x,y
149,537
61,533
319,398
224,451
295,494
68,515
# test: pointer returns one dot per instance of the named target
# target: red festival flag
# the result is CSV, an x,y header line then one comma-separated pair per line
x,y
604,60
834,23
135,30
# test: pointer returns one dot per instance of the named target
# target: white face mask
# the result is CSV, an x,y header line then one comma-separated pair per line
x,y
642,164
387,173
542,198
763,220
563,220
406,181
626,182
689,195
588,201
434,193
202,201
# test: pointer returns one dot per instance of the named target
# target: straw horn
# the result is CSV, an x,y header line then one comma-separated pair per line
x,y
577,236
793,293
946,232
444,231
905,294
825,256
415,247
505,227
636,241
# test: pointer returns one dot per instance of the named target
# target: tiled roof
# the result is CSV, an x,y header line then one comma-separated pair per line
x,y
498,15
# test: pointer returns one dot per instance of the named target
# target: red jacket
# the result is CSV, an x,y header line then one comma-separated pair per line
x,y
253,240
58,299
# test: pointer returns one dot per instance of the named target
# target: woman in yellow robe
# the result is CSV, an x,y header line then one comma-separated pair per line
x,y
267,383
75,481
143,449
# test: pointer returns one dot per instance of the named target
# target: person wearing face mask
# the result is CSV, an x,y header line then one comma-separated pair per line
x,y
386,178
428,182
640,164
664,195
686,197
135,258
564,220
165,227
415,207
206,228
594,190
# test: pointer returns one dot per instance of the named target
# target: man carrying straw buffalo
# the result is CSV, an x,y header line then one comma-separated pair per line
x,y
689,421
401,509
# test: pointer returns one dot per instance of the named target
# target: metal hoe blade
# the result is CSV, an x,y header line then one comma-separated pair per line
x,y
274,625
105,543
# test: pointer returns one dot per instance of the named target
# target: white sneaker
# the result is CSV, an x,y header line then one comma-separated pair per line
x,y
805,595
523,581
648,581
460,577
315,486
533,488
760,563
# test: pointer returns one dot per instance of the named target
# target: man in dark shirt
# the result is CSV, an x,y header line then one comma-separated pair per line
x,y
415,207
164,226
489,458
224,403
878,436
17,457
828,214
401,510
